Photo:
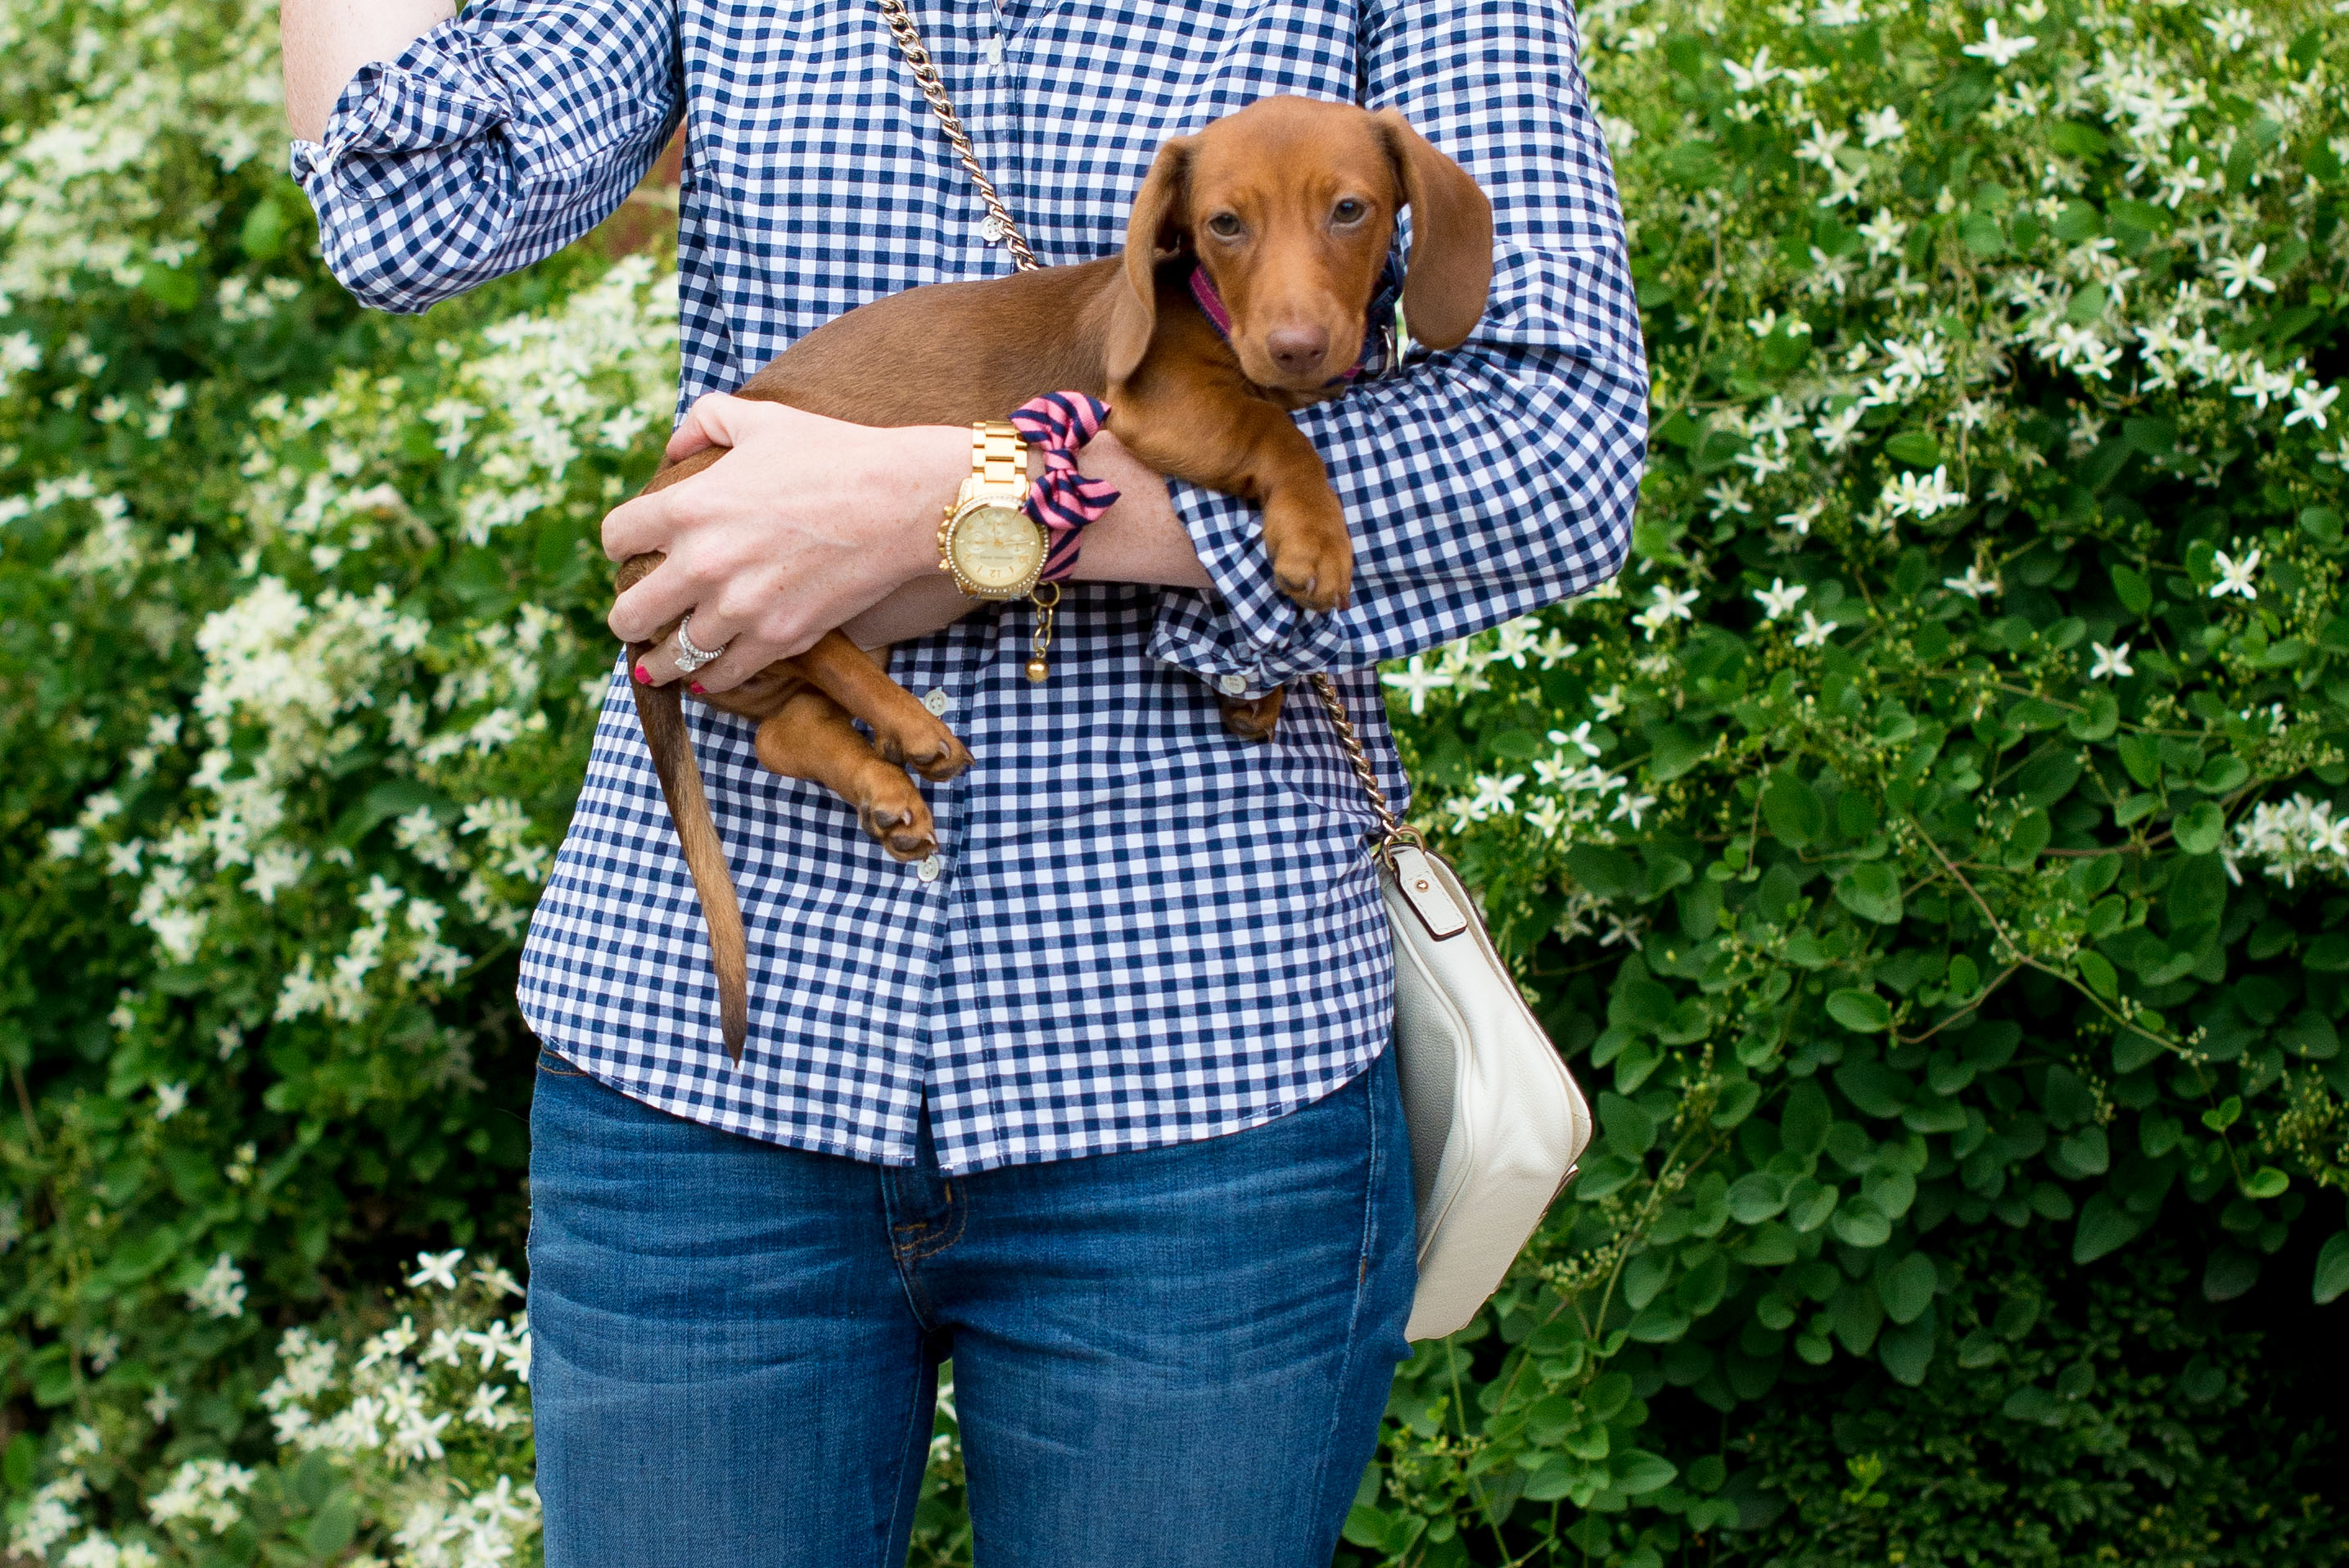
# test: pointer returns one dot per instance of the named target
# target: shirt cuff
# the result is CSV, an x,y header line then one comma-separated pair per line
x,y
1246,637
429,98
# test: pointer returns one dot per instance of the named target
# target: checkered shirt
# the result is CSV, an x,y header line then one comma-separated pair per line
x,y
1138,930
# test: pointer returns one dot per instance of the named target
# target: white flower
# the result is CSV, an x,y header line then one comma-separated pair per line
x,y
1668,607
1416,680
2000,52
221,1292
1923,495
1814,632
1777,599
494,1279
2239,274
1974,585
2310,404
2234,575
2292,837
1607,703
1884,232
1821,146
2232,29
1578,738
1630,805
436,1268
1882,126
171,1099
2110,662
1761,73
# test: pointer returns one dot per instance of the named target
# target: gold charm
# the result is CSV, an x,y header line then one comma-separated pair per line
x,y
1037,669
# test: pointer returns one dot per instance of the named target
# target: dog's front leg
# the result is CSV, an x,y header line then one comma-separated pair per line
x,y
1216,436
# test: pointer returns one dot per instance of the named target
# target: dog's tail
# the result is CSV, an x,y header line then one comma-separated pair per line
x,y
662,713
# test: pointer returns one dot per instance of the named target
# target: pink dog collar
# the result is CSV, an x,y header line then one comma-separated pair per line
x,y
1063,500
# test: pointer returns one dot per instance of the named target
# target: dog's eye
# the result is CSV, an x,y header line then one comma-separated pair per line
x,y
1225,226
1350,210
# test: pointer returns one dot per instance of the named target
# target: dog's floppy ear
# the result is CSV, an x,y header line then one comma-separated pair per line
x,y
1156,225
1451,237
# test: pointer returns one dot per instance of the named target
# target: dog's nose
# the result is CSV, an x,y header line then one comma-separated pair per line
x,y
1298,350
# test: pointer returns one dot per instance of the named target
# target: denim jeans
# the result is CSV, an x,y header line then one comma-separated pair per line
x,y
1162,1358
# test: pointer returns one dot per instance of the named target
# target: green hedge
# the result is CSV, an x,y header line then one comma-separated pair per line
x,y
1929,853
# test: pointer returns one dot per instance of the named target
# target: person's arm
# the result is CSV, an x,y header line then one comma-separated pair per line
x,y
454,155
1495,478
809,523
325,42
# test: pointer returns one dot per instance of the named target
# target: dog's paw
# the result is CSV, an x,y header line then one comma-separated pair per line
x,y
1253,719
1314,567
927,747
899,820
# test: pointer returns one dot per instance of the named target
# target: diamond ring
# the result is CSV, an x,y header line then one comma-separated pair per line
x,y
690,657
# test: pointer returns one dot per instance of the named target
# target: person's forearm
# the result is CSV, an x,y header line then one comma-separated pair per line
x,y
326,41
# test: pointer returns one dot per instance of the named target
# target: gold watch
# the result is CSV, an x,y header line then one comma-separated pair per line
x,y
995,550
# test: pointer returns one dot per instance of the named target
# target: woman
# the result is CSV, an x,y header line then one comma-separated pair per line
x,y
1094,1099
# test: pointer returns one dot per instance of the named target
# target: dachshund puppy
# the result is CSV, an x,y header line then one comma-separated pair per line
x,y
1289,208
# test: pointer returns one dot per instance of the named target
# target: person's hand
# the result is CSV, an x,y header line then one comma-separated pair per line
x,y
802,524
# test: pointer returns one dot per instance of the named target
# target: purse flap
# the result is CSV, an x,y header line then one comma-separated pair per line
x,y
1426,894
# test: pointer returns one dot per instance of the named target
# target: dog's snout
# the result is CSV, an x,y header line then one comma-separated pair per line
x,y
1298,350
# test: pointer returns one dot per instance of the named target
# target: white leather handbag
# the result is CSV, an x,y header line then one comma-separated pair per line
x,y
1496,1120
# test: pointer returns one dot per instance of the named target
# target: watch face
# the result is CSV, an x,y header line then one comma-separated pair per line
x,y
996,547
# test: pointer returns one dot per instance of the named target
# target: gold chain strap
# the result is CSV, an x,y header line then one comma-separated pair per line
x,y
1394,830
925,73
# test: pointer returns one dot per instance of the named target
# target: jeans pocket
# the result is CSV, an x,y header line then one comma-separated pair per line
x,y
555,1066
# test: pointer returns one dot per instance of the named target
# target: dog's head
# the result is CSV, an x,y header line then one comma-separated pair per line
x,y
1291,205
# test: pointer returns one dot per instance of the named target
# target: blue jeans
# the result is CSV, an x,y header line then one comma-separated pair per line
x,y
1162,1358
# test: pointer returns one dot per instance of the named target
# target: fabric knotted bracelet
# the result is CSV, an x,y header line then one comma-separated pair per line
x,y
1061,499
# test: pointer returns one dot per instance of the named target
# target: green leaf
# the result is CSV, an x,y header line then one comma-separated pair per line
x,y
1808,1204
1803,1125
2327,954
333,1527
2134,589
2047,778
1738,1098
2201,830
1871,890
1916,448
1793,809
2067,1097
1860,1223
25,1450
1637,1471
2098,973
2266,1182
1907,1288
2331,1279
2198,891
1630,1130
1862,1012
1907,1350
2104,1228
1872,1086
1756,1195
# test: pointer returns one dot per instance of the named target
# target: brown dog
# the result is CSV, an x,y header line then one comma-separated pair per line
x,y
1289,205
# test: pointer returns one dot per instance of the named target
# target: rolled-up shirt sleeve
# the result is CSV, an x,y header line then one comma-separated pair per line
x,y
494,139
1492,479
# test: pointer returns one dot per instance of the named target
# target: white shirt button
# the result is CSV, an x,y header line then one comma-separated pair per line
x,y
1233,685
936,701
990,231
929,870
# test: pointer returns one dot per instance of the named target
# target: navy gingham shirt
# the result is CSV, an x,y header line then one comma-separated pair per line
x,y
1138,930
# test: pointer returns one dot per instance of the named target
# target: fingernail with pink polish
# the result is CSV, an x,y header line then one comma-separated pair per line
x,y
697,690
644,677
